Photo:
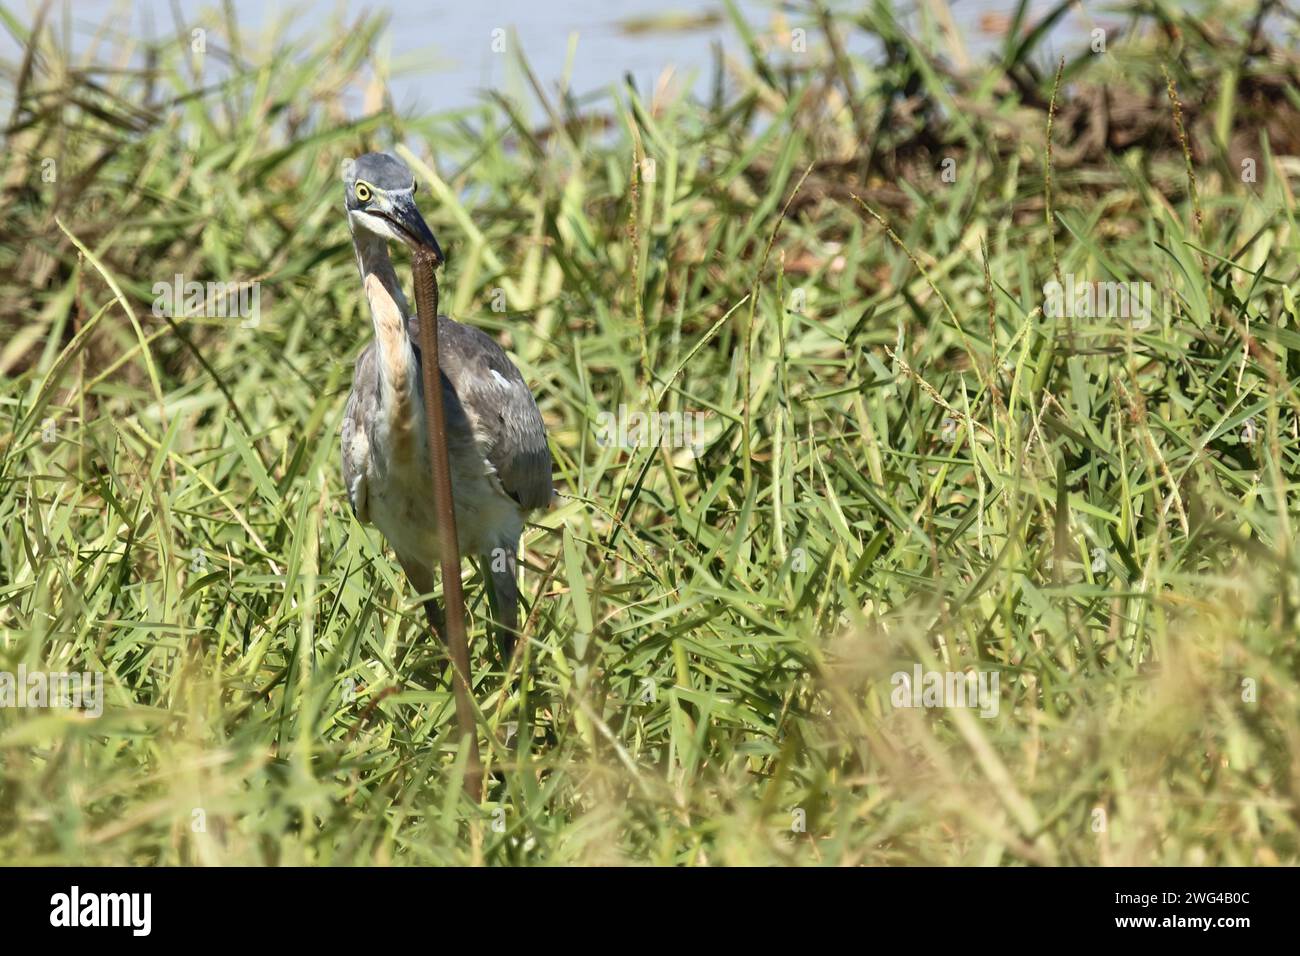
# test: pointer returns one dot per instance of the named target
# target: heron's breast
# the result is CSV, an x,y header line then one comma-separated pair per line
x,y
401,506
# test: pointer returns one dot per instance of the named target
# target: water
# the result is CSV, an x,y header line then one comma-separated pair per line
x,y
449,53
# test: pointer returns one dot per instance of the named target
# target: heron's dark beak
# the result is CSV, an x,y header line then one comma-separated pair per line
x,y
406,216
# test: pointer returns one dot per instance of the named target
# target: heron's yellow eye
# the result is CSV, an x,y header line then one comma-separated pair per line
x,y
363,192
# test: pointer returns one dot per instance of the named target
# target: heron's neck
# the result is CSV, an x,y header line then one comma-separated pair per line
x,y
373,259
399,371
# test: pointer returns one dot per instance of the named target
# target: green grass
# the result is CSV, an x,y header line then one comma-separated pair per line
x,y
905,461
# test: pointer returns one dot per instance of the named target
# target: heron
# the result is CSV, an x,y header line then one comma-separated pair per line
x,y
500,463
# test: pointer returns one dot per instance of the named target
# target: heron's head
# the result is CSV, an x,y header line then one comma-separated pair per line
x,y
380,199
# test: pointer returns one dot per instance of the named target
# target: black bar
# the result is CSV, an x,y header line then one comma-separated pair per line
x,y
361,906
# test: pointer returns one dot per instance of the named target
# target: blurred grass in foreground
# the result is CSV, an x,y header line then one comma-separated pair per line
x,y
898,466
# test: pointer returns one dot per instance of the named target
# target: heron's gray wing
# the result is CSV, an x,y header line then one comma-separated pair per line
x,y
500,408
354,436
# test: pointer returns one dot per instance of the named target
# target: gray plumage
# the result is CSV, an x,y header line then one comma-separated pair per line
x,y
503,423
496,440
